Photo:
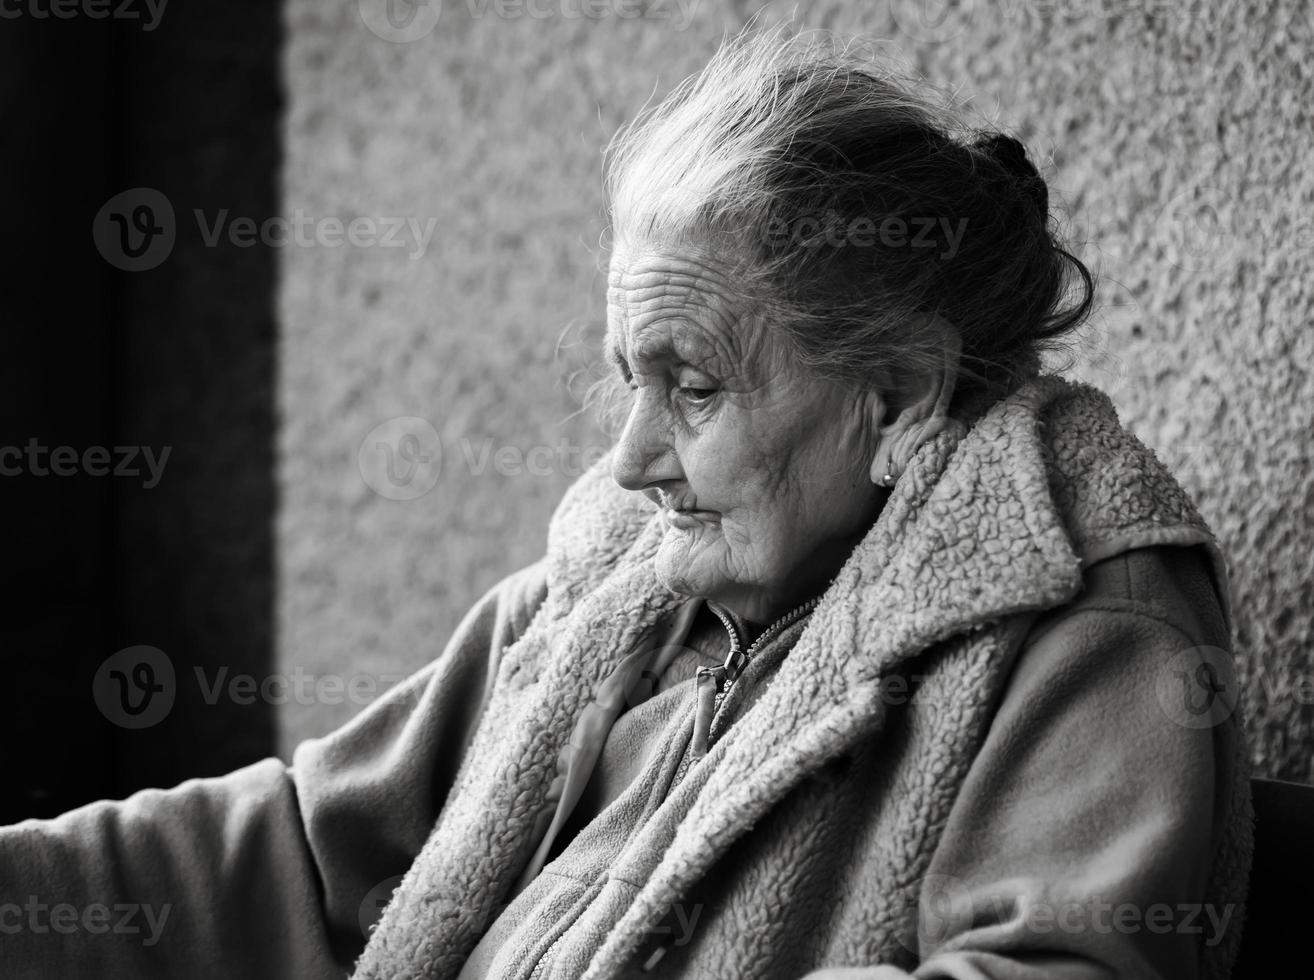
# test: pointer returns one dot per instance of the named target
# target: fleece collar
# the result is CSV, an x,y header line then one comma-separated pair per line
x,y
991,520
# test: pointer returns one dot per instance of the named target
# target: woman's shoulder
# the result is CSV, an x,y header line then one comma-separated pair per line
x,y
1171,584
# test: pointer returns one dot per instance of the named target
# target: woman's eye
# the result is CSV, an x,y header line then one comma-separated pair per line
x,y
697,394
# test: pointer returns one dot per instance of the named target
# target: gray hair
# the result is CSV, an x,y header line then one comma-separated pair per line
x,y
855,206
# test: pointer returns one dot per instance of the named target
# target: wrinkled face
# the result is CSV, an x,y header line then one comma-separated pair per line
x,y
761,468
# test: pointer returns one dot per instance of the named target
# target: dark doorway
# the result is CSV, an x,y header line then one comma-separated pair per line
x,y
137,416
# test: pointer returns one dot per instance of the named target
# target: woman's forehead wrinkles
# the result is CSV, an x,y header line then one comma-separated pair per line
x,y
641,311
672,294
640,277
672,308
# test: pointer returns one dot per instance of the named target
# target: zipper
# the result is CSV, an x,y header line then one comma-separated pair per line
x,y
542,963
712,684
581,905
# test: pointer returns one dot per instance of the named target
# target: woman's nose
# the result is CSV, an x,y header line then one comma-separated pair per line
x,y
643,451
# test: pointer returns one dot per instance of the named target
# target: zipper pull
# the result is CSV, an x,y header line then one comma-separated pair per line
x,y
709,682
734,665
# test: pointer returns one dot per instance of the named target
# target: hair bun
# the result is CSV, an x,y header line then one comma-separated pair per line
x,y
1012,156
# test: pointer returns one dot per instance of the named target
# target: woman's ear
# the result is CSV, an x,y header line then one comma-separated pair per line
x,y
927,415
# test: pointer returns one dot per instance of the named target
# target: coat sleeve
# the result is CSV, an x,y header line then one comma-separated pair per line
x,y
1082,843
270,871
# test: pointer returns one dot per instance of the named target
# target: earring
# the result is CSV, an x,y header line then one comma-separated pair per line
x,y
888,480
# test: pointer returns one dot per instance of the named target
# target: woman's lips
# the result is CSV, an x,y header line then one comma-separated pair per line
x,y
687,519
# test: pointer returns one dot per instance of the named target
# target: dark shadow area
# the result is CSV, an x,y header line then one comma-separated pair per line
x,y
146,345
1279,880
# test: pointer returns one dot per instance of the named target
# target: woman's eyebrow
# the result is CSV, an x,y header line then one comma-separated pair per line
x,y
681,345
646,354
676,348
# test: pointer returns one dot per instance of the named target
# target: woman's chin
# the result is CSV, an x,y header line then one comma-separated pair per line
x,y
683,570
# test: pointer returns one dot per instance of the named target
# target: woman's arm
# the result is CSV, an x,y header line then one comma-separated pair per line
x,y
1082,843
270,870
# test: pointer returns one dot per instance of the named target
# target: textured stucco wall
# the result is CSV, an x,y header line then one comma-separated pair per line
x,y
1172,130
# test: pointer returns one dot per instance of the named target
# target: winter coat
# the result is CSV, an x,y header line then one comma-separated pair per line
x,y
981,756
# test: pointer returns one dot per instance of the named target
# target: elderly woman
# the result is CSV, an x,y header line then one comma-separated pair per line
x,y
869,652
